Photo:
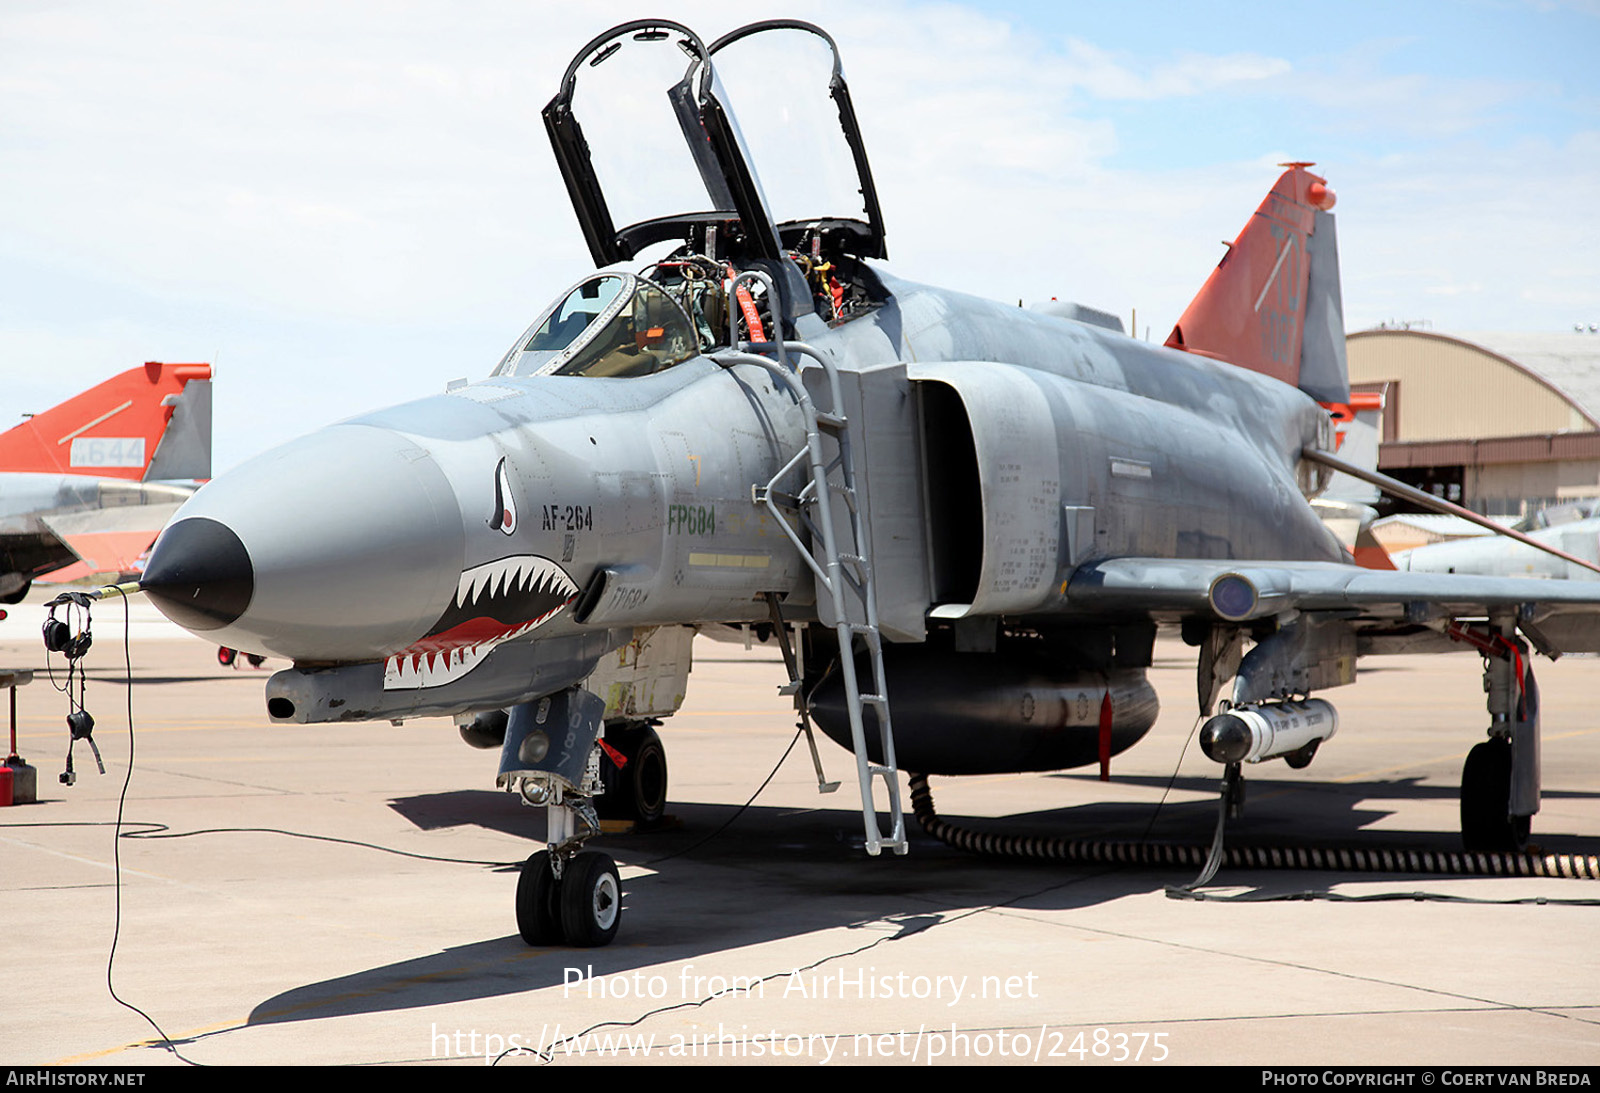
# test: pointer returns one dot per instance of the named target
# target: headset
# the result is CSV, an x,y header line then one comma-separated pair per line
x,y
72,636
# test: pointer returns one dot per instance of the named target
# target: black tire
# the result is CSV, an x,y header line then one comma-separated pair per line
x,y
591,900
1486,826
226,656
638,791
538,913
20,594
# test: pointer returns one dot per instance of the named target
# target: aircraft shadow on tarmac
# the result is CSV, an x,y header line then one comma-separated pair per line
x,y
777,873
1278,812
782,873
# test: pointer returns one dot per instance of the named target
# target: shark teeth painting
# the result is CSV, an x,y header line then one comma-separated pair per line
x,y
494,603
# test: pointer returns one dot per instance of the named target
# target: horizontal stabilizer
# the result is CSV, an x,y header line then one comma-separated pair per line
x,y
111,540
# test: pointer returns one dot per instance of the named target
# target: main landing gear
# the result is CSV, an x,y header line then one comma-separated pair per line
x,y
1487,825
1500,779
637,788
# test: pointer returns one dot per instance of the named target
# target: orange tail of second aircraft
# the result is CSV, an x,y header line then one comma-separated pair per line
x,y
1273,303
149,423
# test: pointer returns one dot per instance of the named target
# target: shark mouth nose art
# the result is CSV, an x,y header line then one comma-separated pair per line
x,y
494,603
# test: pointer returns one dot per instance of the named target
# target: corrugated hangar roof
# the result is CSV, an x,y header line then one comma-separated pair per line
x,y
1569,361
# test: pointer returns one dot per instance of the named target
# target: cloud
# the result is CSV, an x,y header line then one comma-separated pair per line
x,y
1107,75
360,208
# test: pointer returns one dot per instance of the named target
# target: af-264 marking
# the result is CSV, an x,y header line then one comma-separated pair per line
x,y
568,517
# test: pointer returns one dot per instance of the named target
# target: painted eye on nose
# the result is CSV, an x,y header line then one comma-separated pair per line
x,y
505,506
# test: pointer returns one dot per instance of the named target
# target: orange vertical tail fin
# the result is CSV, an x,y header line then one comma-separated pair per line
x,y
111,430
1273,304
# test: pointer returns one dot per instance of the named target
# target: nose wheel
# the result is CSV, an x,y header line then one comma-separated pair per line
x,y
581,907
538,918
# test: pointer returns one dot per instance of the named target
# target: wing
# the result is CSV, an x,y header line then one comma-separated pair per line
x,y
1389,610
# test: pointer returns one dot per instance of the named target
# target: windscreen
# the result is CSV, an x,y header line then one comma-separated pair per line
x,y
610,325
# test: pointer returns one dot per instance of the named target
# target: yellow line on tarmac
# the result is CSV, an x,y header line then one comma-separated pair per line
x,y
311,1004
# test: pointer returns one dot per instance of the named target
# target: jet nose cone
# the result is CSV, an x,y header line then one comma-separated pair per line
x,y
199,574
344,545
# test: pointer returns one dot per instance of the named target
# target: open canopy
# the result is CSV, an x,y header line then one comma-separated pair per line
x,y
620,169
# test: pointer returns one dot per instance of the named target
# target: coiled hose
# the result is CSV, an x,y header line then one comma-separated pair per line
x,y
1349,859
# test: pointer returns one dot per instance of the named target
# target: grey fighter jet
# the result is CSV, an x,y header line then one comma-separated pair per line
x,y
1573,527
971,515
86,486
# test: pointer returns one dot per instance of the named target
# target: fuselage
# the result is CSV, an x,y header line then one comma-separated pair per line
x,y
538,520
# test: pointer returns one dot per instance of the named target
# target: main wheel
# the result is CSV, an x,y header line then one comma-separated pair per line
x,y
226,656
1486,825
538,913
18,595
591,900
639,790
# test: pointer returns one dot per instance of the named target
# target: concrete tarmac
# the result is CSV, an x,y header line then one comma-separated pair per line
x,y
343,894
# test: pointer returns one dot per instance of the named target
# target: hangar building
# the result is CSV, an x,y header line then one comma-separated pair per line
x,y
1502,423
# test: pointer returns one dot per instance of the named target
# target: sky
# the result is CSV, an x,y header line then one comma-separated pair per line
x,y
343,206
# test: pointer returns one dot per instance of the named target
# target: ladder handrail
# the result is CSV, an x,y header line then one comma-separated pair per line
x,y
832,577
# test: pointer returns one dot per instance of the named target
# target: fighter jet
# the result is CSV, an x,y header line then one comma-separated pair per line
x,y
1573,528
969,515
86,486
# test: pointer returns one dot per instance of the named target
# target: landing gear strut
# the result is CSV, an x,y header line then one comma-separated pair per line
x,y
566,894
550,756
1500,780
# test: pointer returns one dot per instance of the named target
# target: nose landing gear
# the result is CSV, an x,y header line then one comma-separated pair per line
x,y
581,907
565,895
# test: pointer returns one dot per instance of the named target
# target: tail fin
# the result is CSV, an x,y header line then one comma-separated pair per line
x,y
1273,305
120,428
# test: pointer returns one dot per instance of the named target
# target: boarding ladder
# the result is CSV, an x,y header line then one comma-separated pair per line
x,y
844,576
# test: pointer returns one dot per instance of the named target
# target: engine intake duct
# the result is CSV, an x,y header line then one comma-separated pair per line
x,y
993,713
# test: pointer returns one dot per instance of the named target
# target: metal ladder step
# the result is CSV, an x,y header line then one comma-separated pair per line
x,y
833,580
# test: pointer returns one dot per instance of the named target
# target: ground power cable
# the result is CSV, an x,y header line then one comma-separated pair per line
x,y
116,842
1346,859
125,828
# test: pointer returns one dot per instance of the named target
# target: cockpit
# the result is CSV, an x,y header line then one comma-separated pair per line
x,y
1556,515
624,324
610,324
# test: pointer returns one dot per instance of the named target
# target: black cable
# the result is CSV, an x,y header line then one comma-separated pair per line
x,y
1167,789
116,843
738,812
153,830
